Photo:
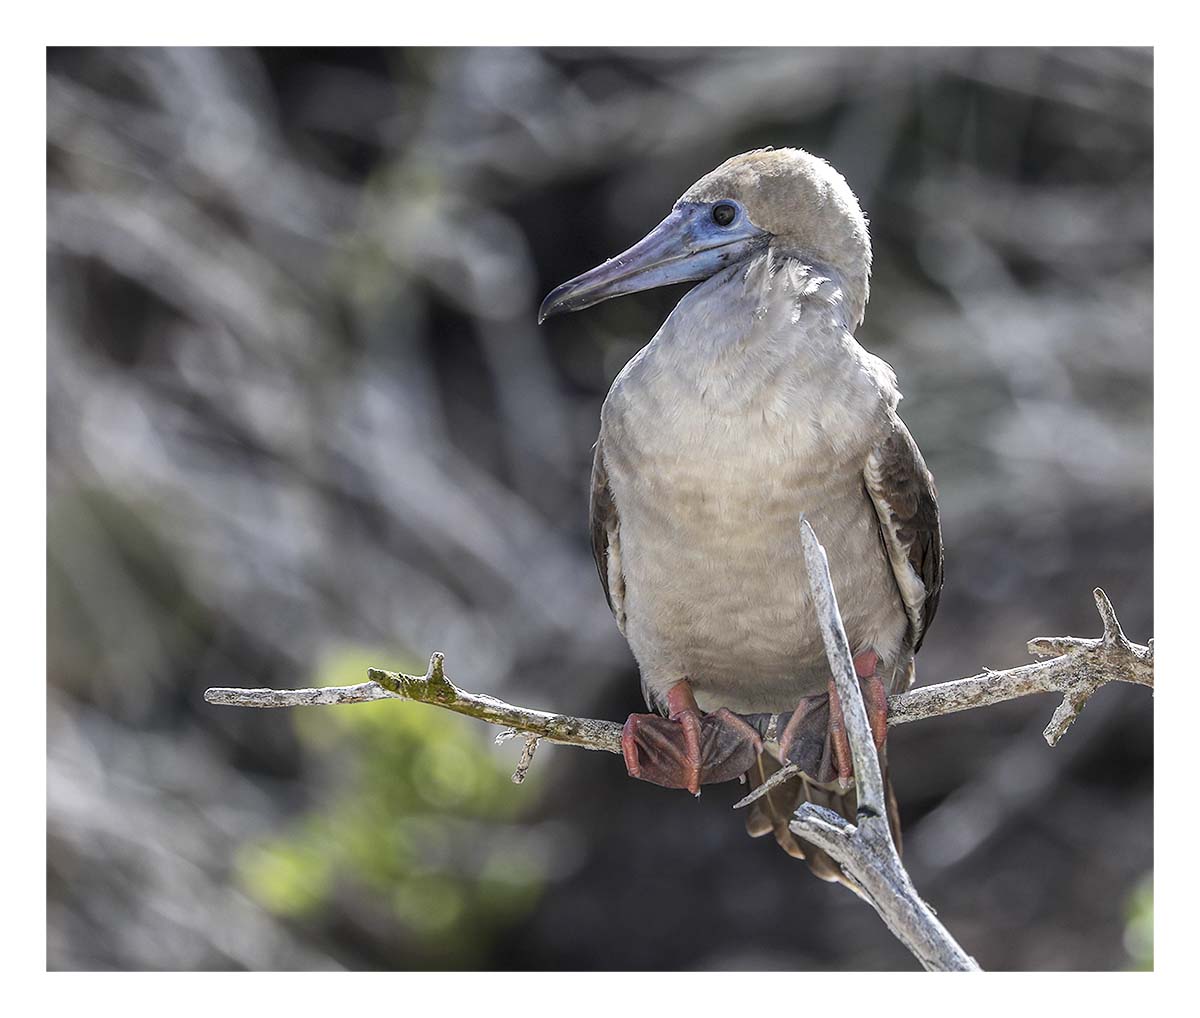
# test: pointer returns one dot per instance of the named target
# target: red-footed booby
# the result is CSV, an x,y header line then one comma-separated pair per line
x,y
752,405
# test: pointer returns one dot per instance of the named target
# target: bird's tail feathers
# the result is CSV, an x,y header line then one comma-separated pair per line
x,y
774,811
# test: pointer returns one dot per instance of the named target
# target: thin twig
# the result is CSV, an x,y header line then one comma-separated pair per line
x,y
785,773
522,768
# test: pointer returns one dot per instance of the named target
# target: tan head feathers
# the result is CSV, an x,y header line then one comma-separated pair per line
x,y
803,202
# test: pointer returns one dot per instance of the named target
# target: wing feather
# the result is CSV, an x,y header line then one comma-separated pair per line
x,y
905,500
606,537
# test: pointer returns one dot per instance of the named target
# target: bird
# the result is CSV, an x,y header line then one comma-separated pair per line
x,y
753,405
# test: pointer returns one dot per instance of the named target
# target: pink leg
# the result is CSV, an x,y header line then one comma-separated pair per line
x,y
682,708
874,697
839,741
865,664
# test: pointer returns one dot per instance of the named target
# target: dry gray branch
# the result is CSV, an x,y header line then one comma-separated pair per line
x,y
435,687
865,850
1081,665
1078,668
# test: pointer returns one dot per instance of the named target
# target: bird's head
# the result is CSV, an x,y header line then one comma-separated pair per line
x,y
785,199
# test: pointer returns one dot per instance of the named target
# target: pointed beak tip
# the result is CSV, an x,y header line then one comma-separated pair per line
x,y
552,305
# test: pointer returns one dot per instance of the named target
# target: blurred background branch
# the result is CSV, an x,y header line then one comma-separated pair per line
x,y
301,420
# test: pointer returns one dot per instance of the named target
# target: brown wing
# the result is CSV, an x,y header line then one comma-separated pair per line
x,y
905,499
606,540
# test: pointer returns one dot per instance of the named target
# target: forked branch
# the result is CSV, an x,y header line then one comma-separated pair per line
x,y
1076,668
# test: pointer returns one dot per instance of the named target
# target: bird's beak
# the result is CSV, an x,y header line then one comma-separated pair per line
x,y
684,247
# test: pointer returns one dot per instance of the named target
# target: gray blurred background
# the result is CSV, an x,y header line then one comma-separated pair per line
x,y
301,421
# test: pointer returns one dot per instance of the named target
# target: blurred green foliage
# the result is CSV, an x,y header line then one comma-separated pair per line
x,y
413,818
1139,925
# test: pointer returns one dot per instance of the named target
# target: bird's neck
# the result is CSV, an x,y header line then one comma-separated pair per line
x,y
852,258
772,324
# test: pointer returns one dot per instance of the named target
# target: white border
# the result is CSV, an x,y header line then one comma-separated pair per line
x,y
591,23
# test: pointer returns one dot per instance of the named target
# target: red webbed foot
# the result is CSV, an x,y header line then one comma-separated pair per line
x,y
689,748
815,738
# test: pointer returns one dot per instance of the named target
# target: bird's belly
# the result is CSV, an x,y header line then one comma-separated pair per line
x,y
715,584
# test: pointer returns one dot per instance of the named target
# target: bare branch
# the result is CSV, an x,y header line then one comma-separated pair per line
x,y
1081,667
434,687
868,856
1081,664
868,778
867,852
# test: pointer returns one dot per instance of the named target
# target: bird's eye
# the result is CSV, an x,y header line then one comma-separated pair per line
x,y
724,213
